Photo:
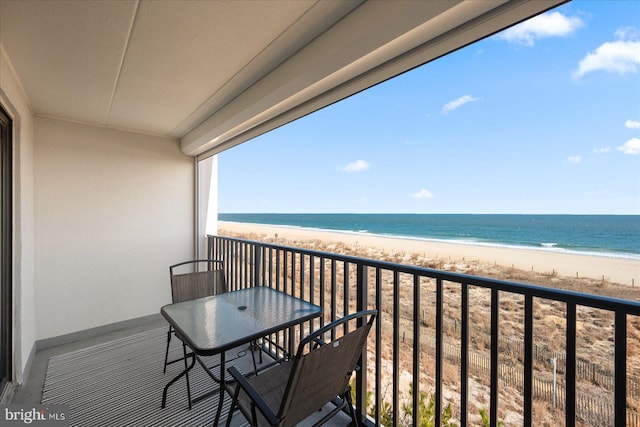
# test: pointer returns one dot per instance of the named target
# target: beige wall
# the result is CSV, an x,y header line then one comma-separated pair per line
x,y
113,210
99,215
15,102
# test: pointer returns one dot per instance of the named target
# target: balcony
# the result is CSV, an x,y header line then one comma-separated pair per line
x,y
446,346
111,124
450,346
114,122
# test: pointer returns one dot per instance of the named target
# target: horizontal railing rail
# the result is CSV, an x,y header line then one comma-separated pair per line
x,y
403,295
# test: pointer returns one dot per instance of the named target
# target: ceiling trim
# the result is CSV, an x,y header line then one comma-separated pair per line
x,y
107,126
123,56
370,62
5,61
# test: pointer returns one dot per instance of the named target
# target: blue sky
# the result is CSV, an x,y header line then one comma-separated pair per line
x,y
541,118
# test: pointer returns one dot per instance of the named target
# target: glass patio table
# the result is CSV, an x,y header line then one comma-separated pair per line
x,y
215,324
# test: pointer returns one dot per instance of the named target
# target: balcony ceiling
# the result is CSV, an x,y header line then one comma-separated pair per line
x,y
216,73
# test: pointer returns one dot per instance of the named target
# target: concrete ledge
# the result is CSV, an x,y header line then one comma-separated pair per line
x,y
95,332
7,392
28,365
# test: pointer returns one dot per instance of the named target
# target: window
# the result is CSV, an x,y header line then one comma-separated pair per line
x,y
6,256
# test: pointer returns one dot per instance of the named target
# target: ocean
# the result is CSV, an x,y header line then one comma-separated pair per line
x,y
604,235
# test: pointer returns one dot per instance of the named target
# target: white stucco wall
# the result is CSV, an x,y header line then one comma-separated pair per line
x,y
211,227
15,102
113,210
207,202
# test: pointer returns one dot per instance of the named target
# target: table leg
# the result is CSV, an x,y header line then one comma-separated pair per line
x,y
180,375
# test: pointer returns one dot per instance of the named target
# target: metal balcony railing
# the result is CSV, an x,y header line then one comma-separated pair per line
x,y
430,336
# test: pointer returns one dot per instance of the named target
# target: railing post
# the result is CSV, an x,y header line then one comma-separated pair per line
x,y
493,417
395,356
620,357
361,376
210,252
377,399
528,361
257,264
570,367
439,352
416,349
464,354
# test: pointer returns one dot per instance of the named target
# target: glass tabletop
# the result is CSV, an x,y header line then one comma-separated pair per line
x,y
217,323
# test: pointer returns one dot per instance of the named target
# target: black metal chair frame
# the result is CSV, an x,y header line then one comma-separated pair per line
x,y
313,353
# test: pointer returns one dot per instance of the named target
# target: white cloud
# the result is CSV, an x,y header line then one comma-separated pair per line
x,y
632,146
422,194
357,166
632,124
575,159
553,24
621,56
626,33
602,150
456,103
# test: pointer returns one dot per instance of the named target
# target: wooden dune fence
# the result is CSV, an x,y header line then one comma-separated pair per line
x,y
585,369
592,409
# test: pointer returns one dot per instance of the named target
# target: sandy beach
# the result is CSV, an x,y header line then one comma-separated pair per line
x,y
618,270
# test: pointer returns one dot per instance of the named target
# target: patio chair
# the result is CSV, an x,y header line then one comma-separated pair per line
x,y
191,280
186,286
319,373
